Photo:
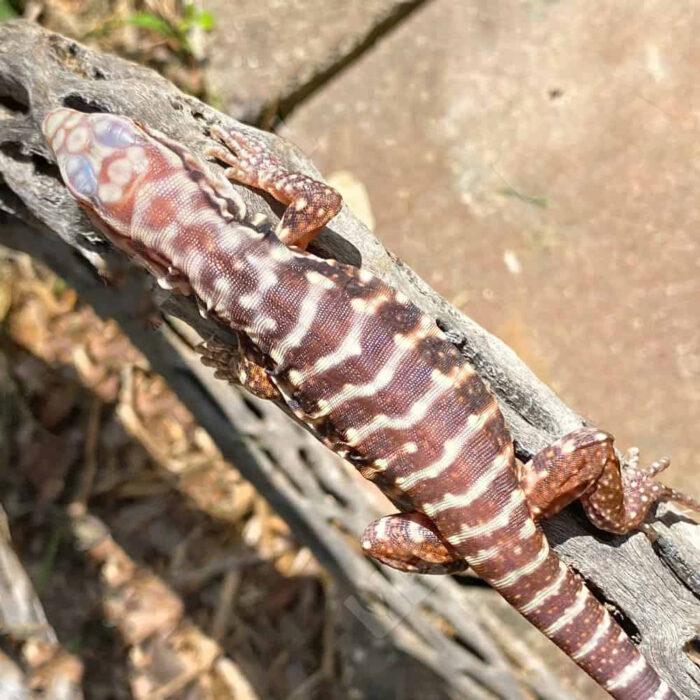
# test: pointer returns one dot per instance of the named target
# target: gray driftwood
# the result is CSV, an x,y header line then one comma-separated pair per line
x,y
652,592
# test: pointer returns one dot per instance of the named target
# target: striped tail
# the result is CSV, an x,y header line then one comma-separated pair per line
x,y
505,547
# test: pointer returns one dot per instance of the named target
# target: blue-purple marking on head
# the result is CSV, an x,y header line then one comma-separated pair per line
x,y
79,175
113,132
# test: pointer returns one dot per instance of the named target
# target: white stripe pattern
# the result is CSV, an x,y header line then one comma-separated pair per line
x,y
547,592
307,314
628,673
211,219
485,554
499,521
478,488
383,422
570,613
527,530
512,577
230,239
220,295
452,448
592,643
350,392
267,277
350,347
380,532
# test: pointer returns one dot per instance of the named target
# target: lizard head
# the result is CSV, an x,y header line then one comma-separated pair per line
x,y
102,159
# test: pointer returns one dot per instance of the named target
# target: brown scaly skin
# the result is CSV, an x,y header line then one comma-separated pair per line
x,y
615,498
370,375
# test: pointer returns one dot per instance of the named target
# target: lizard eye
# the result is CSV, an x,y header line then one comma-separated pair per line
x,y
114,132
79,175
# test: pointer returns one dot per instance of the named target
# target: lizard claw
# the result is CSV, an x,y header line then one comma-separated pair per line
x,y
655,467
632,457
623,494
642,490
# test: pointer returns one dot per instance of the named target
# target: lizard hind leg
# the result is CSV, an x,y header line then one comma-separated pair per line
x,y
565,470
310,204
584,465
622,496
410,542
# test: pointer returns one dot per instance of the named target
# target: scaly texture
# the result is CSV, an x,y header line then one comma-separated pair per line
x,y
370,375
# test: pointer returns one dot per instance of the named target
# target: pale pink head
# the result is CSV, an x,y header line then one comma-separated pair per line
x,y
102,158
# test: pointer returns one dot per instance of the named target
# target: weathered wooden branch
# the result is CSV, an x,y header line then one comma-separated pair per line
x,y
48,668
39,71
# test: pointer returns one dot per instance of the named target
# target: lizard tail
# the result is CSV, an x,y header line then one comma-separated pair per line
x,y
511,552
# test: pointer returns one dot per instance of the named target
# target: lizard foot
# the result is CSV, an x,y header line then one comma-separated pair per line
x,y
410,542
310,204
622,496
239,366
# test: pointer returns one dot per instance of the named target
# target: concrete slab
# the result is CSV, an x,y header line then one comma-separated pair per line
x,y
262,51
538,163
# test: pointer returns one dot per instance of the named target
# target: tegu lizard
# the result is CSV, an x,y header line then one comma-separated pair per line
x,y
369,374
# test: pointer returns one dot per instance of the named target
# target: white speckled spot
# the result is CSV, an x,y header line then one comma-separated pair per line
x,y
109,193
137,156
405,341
358,304
73,119
78,139
568,447
135,153
120,171
59,139
317,278
53,122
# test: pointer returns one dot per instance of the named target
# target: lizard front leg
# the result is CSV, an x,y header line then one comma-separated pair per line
x,y
242,366
310,204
